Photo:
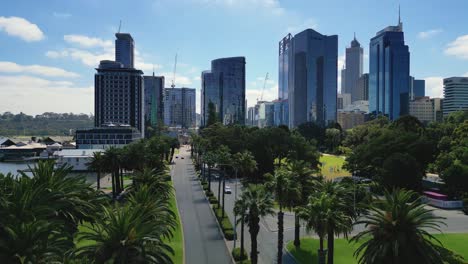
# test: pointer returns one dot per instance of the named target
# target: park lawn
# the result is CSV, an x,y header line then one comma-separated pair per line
x,y
177,241
307,253
332,166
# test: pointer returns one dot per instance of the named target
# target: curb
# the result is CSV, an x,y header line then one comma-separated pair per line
x,y
219,225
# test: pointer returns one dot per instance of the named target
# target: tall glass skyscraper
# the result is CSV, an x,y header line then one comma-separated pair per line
x,y
354,66
154,87
312,86
124,49
389,73
179,107
284,55
224,85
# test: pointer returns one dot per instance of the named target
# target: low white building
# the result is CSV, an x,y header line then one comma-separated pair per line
x,y
77,158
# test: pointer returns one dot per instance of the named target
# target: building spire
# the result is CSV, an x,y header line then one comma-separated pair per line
x,y
354,35
400,25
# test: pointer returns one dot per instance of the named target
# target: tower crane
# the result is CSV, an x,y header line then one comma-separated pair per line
x,y
175,68
264,84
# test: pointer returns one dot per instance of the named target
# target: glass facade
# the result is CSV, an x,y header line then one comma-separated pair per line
x,y
354,66
179,107
124,49
228,78
313,84
281,112
209,93
389,76
154,87
455,95
284,55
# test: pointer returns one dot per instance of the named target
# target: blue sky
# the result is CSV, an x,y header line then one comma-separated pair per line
x,y
48,49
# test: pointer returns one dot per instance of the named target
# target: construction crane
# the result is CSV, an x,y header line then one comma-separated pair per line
x,y
264,84
175,68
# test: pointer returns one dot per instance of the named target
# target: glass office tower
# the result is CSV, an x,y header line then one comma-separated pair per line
x,y
284,55
313,84
154,87
354,66
209,93
389,73
124,49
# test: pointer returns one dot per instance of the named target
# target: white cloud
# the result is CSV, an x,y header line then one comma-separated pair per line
x,y
20,27
86,57
180,80
252,95
11,67
429,34
465,75
61,15
88,42
308,23
270,6
34,95
458,47
434,86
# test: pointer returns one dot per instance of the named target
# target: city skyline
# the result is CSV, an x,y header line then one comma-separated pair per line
x,y
60,49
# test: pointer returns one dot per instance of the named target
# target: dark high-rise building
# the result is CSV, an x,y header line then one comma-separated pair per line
x,y
179,107
154,100
285,58
124,49
389,73
354,66
313,81
224,86
417,88
363,87
118,96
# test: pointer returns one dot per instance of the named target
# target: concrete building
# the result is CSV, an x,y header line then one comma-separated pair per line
x,y
265,114
124,50
363,87
179,107
77,158
280,112
361,105
224,86
343,100
251,121
455,94
154,100
422,108
350,119
389,73
354,66
312,84
118,95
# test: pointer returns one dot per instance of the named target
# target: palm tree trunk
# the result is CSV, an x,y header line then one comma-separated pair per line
x,y
297,229
242,235
98,180
280,236
253,229
219,192
321,257
331,244
209,178
121,180
113,185
224,188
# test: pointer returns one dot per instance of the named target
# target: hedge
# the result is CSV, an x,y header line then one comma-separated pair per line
x,y
225,224
212,200
236,254
209,193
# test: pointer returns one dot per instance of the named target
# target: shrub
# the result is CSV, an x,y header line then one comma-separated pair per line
x,y
212,200
229,235
209,193
236,254
225,224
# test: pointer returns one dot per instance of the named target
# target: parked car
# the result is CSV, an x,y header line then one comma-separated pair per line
x,y
227,190
176,157
181,157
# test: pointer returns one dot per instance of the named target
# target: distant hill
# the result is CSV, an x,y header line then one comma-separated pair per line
x,y
47,124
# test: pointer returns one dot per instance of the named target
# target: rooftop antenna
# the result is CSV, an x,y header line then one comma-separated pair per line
x,y
400,25
120,25
153,70
354,35
175,68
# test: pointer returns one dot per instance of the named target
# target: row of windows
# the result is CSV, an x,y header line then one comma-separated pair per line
x,y
102,142
103,136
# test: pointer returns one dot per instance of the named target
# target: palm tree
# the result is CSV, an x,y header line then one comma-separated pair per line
x,y
126,234
97,164
112,163
302,175
259,203
209,159
286,192
240,209
154,179
341,220
398,229
316,214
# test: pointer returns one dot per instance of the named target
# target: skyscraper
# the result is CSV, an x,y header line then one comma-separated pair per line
x,y
363,87
154,87
124,49
313,82
179,107
417,88
224,86
118,95
455,94
354,66
389,73
285,58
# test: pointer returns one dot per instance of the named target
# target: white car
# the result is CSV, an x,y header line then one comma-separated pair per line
x,y
227,190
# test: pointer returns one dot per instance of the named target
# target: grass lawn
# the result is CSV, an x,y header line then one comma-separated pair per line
x,y
332,166
307,253
176,242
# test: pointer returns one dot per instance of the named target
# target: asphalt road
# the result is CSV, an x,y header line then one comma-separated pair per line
x,y
203,241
